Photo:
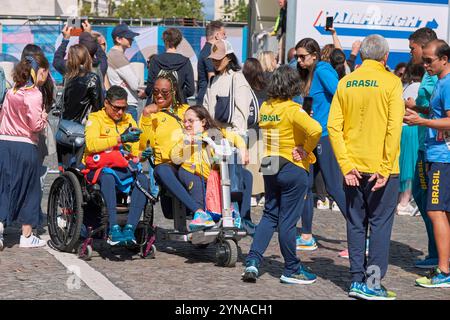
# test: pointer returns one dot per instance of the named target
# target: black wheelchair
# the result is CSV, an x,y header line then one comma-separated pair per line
x,y
77,214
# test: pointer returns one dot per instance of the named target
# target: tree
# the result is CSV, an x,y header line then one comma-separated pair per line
x,y
238,12
160,9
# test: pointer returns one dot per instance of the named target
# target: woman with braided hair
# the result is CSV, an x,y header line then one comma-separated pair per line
x,y
162,128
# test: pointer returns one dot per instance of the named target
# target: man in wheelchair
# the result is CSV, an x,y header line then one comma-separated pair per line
x,y
112,160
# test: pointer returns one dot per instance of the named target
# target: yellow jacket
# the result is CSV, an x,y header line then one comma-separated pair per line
x,y
286,125
163,132
365,120
196,160
101,132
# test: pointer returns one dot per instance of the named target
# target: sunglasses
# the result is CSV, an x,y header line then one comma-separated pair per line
x,y
301,56
117,108
164,93
429,61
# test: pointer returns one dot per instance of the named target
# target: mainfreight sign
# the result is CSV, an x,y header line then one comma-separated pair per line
x,y
354,20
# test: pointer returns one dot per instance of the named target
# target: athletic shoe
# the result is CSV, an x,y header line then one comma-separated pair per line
x,y
435,279
306,245
427,263
302,276
344,253
335,207
362,291
31,242
323,205
115,235
251,271
262,201
407,210
128,234
201,220
1,236
253,202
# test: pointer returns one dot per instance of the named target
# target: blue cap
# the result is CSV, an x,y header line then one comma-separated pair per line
x,y
122,30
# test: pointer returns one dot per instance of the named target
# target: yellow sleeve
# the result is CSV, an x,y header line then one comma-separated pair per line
x,y
145,124
335,131
94,142
235,139
181,151
309,126
396,111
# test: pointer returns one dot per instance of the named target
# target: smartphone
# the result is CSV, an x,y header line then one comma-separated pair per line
x,y
75,24
307,104
329,23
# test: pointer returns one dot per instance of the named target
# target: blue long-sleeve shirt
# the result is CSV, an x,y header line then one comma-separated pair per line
x,y
59,63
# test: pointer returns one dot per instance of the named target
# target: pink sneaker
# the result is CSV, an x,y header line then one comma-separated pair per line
x,y
344,254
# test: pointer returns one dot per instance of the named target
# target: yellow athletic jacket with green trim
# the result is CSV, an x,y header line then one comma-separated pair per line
x,y
365,120
163,131
101,132
188,154
286,125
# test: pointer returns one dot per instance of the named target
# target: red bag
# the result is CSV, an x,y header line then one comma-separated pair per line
x,y
213,194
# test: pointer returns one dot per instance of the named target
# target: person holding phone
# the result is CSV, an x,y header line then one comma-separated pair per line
x,y
98,55
319,82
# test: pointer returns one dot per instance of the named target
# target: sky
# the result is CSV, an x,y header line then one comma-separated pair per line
x,y
208,9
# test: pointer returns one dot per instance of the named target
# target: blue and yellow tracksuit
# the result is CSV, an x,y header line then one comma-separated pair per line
x,y
364,126
284,125
101,134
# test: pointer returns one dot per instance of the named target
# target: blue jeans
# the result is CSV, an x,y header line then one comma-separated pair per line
x,y
132,110
285,194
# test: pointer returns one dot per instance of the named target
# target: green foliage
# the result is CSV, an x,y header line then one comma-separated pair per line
x,y
239,12
160,9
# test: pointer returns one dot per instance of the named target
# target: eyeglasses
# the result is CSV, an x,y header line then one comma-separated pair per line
x,y
164,93
117,108
429,61
190,121
302,56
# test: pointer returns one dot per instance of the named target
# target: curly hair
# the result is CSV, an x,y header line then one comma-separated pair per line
x,y
284,83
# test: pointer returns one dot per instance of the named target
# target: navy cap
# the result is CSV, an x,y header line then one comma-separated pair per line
x,y
123,31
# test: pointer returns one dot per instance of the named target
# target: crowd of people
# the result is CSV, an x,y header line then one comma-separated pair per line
x,y
366,141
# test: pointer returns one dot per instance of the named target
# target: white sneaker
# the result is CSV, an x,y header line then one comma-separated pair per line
x,y
1,236
262,201
31,242
335,207
253,202
323,205
407,210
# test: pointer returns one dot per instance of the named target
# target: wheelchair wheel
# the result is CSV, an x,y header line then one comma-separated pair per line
x,y
227,253
65,212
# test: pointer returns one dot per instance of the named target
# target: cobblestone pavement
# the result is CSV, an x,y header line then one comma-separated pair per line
x,y
182,271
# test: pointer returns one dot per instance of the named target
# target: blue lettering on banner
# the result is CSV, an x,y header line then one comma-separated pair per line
x,y
391,25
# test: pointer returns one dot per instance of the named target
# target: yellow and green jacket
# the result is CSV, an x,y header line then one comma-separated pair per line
x,y
101,133
365,120
286,125
197,160
163,132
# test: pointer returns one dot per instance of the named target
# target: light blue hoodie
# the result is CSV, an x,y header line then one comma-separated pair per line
x,y
323,86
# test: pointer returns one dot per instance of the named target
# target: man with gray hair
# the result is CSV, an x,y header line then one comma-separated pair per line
x,y
364,125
